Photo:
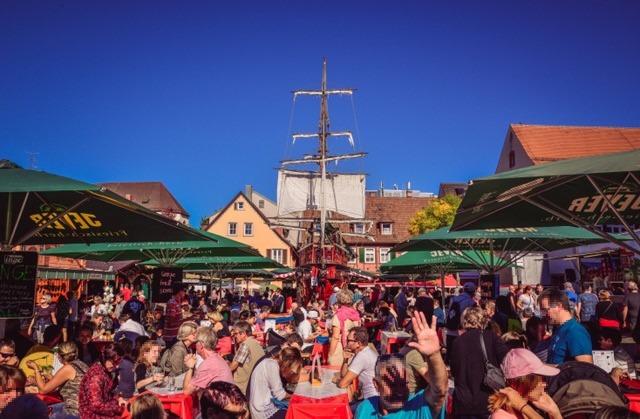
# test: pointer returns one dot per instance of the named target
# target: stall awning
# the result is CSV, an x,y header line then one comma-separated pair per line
x,y
58,273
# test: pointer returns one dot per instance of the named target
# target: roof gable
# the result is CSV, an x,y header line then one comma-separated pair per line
x,y
253,207
151,195
544,143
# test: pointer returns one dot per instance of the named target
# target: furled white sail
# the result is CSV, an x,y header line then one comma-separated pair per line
x,y
300,190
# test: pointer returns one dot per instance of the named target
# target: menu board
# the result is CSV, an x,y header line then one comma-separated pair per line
x,y
489,286
164,282
18,273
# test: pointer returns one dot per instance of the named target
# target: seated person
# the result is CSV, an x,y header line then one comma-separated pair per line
x,y
610,340
265,384
8,353
388,319
97,321
213,367
147,406
359,362
87,350
145,372
223,400
13,402
416,368
66,380
126,379
174,357
129,328
12,330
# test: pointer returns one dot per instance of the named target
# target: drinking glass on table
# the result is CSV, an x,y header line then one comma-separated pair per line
x,y
158,374
171,382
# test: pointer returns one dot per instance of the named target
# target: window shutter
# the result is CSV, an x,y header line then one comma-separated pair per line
x,y
269,253
361,254
392,255
284,256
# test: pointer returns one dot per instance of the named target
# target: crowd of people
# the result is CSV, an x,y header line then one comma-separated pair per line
x,y
101,359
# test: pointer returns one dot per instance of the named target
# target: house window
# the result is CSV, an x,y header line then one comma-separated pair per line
x,y
512,159
358,228
385,255
239,206
232,229
261,203
386,229
354,259
248,229
279,255
369,255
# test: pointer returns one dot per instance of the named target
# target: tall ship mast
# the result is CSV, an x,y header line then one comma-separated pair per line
x,y
319,203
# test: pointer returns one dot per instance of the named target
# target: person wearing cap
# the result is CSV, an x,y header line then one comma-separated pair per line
x,y
570,340
464,300
305,330
524,374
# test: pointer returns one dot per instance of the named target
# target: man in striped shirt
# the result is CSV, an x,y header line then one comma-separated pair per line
x,y
173,316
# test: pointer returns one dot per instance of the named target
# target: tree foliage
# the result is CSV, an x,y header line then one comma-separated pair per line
x,y
438,214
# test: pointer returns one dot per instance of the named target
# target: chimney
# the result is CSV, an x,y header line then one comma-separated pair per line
x,y
128,197
409,193
248,190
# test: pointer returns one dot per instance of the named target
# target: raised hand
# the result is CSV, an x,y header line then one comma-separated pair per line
x,y
427,336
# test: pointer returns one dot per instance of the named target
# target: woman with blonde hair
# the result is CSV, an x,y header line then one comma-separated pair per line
x,y
67,380
524,374
45,316
147,406
607,313
145,367
221,328
345,318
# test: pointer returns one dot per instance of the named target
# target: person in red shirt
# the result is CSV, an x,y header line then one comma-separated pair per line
x,y
173,315
126,291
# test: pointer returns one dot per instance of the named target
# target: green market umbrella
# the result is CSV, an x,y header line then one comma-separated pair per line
x,y
440,261
220,267
42,208
510,243
165,253
220,263
436,261
584,192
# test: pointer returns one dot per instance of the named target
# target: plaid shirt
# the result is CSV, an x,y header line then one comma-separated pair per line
x,y
243,354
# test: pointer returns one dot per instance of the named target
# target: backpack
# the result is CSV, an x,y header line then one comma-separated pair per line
x,y
453,316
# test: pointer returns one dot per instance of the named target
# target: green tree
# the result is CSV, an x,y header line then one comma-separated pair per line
x,y
438,214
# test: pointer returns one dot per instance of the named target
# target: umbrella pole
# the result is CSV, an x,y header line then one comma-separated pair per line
x,y
442,293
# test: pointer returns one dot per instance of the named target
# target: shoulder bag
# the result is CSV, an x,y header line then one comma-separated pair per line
x,y
493,376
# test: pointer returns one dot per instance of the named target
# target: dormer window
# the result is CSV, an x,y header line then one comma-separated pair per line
x,y
386,229
358,228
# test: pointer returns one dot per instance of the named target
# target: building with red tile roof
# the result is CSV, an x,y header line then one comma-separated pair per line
x,y
527,145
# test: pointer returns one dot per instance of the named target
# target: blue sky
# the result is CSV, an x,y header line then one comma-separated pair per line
x,y
197,94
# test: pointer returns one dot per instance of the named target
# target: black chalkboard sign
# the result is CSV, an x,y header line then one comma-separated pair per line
x,y
164,282
489,286
18,273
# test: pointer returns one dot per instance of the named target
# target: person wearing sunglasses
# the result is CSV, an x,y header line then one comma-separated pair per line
x,y
223,400
95,397
45,316
8,353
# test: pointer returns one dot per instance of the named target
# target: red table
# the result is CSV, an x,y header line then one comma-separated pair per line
x,y
330,407
634,398
180,404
